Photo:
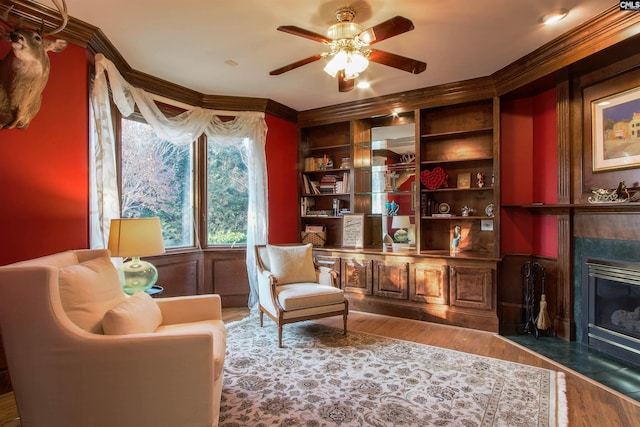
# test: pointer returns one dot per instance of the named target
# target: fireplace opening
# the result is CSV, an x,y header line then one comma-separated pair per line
x,y
611,302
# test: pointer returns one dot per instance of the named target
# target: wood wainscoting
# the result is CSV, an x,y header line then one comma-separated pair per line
x,y
222,272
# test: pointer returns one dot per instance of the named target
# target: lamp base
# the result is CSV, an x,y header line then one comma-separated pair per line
x,y
137,275
401,236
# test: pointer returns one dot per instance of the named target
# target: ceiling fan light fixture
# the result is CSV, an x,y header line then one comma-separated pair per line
x,y
337,63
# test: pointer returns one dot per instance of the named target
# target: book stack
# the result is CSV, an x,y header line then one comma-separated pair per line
x,y
328,184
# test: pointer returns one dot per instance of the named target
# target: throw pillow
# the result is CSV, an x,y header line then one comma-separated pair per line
x,y
137,315
88,290
292,264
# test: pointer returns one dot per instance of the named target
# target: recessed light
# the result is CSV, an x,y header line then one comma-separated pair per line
x,y
555,16
363,85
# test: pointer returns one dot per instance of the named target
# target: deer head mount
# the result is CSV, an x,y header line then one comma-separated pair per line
x,y
24,71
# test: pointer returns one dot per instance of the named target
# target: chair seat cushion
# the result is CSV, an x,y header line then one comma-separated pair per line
x,y
297,296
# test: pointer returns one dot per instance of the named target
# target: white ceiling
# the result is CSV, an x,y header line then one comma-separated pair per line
x,y
187,42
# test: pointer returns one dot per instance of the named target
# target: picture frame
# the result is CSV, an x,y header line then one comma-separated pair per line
x,y
616,131
353,230
464,180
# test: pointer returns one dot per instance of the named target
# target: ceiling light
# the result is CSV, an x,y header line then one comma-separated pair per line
x,y
363,85
347,50
555,16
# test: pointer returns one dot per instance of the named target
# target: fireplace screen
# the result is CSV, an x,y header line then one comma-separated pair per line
x,y
612,300
617,307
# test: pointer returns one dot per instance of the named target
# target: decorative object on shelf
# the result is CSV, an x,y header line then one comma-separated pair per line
x,y
390,180
336,207
466,210
345,163
456,238
488,210
407,158
402,223
314,234
353,231
392,208
464,180
612,128
434,179
480,178
136,237
387,240
444,208
619,195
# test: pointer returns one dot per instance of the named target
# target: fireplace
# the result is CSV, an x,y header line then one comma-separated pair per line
x,y
611,308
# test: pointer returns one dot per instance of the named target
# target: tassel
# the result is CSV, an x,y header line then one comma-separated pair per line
x,y
543,320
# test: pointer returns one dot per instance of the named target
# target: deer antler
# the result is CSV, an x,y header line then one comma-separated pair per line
x,y
63,14
4,18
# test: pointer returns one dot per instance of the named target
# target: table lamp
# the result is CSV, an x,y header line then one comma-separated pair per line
x,y
402,223
134,238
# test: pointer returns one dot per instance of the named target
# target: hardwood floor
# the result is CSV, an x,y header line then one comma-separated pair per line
x,y
590,404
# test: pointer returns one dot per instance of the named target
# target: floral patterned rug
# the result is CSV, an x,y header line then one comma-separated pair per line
x,y
322,378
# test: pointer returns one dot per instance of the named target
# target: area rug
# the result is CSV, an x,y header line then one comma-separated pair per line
x,y
322,378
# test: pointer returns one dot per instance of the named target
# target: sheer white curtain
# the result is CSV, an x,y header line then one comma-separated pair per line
x,y
182,129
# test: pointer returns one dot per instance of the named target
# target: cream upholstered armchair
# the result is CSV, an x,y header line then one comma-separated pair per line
x,y
82,353
291,288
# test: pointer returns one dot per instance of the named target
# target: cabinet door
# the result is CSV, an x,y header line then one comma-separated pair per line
x,y
471,287
431,284
391,279
356,276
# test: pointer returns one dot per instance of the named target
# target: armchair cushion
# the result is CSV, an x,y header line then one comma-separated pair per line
x,y
292,264
88,290
297,296
137,315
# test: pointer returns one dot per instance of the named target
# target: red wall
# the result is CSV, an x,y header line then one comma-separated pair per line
x,y
282,168
43,169
529,165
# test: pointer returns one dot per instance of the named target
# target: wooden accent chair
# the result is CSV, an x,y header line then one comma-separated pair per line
x,y
82,353
291,288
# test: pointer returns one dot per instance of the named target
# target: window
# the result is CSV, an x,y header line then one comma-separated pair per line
x,y
227,194
159,178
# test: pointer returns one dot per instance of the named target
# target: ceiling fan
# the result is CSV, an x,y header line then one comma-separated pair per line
x,y
349,49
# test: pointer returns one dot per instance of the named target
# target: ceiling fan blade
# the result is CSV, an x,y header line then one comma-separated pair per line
x,y
345,85
296,64
396,61
387,29
301,32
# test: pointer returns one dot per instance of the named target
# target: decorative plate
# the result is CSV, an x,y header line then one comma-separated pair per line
x,y
434,179
489,209
444,208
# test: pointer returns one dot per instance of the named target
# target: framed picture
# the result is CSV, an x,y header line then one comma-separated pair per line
x,y
464,180
353,230
616,131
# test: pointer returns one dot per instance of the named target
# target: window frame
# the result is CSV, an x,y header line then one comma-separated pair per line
x,y
200,181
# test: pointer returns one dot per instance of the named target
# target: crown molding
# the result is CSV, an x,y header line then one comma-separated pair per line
x,y
602,31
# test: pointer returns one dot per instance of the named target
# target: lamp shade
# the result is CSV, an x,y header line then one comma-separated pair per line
x,y
135,237
400,221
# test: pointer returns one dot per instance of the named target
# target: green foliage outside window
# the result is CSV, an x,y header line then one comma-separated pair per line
x,y
158,180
